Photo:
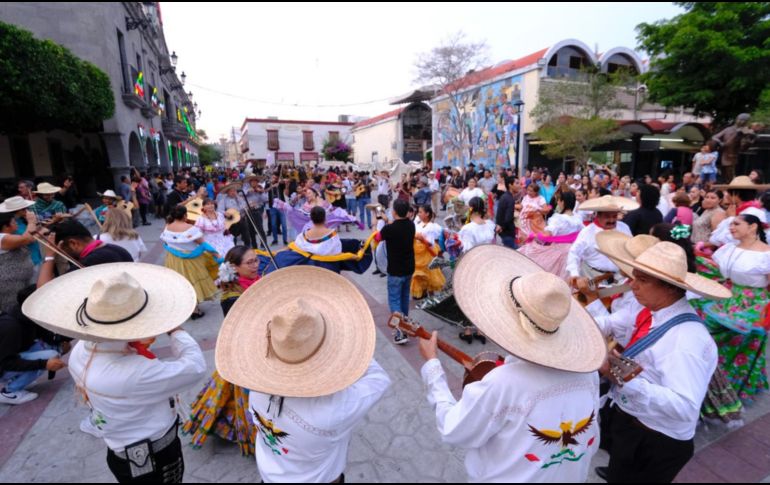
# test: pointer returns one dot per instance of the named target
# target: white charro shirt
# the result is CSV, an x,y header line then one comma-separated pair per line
x,y
668,394
129,394
514,422
305,440
584,250
563,224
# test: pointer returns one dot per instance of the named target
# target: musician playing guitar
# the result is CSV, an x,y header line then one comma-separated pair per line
x,y
533,418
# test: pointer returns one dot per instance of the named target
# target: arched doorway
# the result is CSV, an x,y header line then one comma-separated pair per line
x,y
165,166
152,156
135,155
417,131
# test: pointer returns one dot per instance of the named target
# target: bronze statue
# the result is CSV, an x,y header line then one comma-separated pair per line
x,y
733,140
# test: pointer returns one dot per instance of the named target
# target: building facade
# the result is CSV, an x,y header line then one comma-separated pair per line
x,y
491,121
264,141
153,127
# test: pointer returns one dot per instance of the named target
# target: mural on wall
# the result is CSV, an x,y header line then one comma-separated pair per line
x,y
488,120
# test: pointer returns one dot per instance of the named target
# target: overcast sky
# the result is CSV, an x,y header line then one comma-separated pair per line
x,y
260,60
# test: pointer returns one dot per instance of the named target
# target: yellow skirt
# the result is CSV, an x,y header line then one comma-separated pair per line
x,y
196,273
425,279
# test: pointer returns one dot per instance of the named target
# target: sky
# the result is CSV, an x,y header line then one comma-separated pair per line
x,y
317,61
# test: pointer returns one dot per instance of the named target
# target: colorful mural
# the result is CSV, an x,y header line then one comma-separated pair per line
x,y
488,120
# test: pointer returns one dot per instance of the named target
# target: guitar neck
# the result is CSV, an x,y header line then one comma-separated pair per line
x,y
456,354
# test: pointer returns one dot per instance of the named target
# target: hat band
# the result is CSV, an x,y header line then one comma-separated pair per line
x,y
271,349
521,310
82,314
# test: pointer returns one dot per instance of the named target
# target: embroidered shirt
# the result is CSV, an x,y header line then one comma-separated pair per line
x,y
307,442
521,423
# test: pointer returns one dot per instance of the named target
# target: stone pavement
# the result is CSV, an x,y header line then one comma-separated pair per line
x,y
397,442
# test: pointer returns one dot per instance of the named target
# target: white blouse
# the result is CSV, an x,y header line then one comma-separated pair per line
x,y
329,247
135,247
561,224
473,234
744,266
182,241
431,230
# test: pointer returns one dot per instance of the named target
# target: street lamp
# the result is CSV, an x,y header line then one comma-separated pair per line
x,y
183,77
518,104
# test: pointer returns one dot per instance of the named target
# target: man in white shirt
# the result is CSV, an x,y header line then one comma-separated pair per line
x,y
584,260
310,368
653,418
533,418
117,310
435,192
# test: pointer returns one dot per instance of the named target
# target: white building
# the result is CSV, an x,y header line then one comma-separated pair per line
x,y
289,140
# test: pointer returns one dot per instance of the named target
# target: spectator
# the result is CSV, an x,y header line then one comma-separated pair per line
x,y
641,220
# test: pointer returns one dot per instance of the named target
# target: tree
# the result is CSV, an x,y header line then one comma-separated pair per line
x,y
714,59
576,116
450,67
209,153
43,86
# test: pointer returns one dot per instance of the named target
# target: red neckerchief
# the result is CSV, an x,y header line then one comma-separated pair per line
x,y
596,221
642,328
746,205
90,248
246,282
143,350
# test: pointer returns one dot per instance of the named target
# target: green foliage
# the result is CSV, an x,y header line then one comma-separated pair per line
x,y
714,58
576,137
43,86
208,154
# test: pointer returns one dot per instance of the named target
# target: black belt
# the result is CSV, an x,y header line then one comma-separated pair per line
x,y
158,445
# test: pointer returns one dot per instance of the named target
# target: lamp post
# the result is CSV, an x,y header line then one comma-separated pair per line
x,y
519,103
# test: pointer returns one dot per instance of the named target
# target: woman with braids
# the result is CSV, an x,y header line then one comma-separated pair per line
x,y
221,408
189,255
479,230
739,324
427,234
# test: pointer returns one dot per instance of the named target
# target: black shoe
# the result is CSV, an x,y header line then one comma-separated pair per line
x,y
466,336
377,271
147,223
602,472
197,315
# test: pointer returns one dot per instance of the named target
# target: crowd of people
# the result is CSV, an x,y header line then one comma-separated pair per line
x,y
549,266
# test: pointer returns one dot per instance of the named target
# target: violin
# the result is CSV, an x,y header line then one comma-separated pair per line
x,y
475,367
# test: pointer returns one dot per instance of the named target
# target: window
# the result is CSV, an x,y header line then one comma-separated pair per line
x,y
334,136
307,141
575,62
272,140
22,157
123,63
554,60
375,157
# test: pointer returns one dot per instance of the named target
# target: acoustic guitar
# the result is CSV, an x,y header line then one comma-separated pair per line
x,y
475,367
333,196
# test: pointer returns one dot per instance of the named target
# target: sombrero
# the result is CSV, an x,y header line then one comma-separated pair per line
x,y
110,194
664,260
15,204
47,189
282,342
138,300
742,182
527,311
609,203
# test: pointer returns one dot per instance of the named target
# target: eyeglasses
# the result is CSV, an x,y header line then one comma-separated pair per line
x,y
251,262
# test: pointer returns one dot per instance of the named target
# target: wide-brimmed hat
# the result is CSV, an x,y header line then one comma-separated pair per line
x,y
236,184
742,182
664,260
635,246
301,331
15,204
47,189
109,193
609,203
527,311
138,300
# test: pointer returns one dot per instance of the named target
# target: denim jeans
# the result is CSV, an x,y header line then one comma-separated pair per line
x,y
399,288
276,217
509,241
363,211
17,381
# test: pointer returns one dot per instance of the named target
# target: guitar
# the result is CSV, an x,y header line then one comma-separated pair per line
x,y
475,367
333,196
622,368
359,189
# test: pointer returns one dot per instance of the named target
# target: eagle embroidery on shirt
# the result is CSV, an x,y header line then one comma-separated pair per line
x,y
564,437
271,435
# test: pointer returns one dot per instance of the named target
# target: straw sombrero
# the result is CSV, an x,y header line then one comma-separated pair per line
x,y
527,311
110,194
742,182
47,189
609,203
237,185
635,246
15,204
308,343
664,260
155,300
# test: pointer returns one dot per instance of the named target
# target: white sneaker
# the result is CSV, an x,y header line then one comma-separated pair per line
x,y
87,426
18,397
400,338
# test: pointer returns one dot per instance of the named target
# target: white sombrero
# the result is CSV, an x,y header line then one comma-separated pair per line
x,y
113,302
307,343
527,311
110,194
15,204
742,182
609,203
664,260
47,189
